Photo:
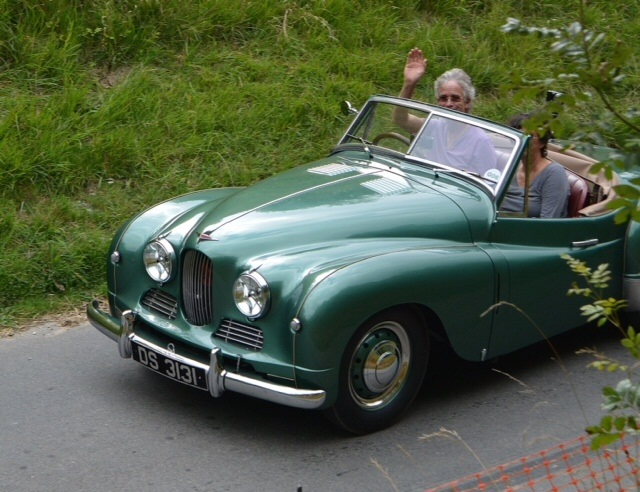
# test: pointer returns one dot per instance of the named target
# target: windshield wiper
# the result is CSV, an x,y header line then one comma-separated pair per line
x,y
363,142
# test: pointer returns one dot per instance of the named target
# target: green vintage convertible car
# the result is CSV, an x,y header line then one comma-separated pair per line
x,y
327,286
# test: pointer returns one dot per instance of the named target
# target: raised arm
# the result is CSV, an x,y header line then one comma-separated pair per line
x,y
414,69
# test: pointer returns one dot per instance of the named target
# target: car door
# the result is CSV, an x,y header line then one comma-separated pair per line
x,y
534,279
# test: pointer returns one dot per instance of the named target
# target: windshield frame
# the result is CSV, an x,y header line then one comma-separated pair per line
x,y
364,121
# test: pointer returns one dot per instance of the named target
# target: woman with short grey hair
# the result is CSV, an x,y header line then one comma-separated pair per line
x,y
454,89
461,78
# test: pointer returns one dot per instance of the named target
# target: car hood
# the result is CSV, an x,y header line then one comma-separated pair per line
x,y
336,199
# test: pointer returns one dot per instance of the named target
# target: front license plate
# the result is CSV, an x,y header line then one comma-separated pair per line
x,y
174,369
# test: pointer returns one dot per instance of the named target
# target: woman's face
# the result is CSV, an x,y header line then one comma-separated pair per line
x,y
451,96
535,148
536,144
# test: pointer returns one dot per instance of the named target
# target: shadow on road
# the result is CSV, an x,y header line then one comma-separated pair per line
x,y
449,379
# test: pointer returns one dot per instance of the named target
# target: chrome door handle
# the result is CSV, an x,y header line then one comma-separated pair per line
x,y
584,244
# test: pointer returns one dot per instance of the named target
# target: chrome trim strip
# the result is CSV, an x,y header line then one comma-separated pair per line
x,y
585,244
218,378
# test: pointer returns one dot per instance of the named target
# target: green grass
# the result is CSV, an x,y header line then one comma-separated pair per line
x,y
108,107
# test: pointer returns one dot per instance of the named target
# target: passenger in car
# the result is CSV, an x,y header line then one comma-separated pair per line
x,y
446,141
548,182
453,89
458,144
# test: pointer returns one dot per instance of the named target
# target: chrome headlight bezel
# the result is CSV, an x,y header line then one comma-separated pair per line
x,y
252,295
159,258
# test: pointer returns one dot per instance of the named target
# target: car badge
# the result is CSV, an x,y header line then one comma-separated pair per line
x,y
203,236
171,348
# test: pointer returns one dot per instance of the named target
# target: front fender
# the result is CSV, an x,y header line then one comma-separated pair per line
x,y
181,212
161,216
456,283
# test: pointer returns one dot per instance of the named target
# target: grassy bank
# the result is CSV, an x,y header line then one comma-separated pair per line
x,y
108,107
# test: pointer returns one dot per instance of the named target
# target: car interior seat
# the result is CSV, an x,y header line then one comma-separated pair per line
x,y
578,194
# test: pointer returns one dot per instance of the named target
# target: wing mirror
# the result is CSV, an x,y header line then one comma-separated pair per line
x,y
551,95
347,108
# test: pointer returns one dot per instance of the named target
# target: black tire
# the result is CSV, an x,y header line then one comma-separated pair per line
x,y
381,372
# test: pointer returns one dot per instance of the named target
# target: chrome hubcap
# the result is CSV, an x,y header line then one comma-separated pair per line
x,y
379,365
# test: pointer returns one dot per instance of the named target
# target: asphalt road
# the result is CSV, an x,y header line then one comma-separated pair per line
x,y
74,416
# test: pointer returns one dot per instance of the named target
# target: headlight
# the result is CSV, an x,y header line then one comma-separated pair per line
x,y
251,294
159,258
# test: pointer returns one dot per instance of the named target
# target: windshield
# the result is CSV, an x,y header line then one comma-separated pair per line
x,y
447,141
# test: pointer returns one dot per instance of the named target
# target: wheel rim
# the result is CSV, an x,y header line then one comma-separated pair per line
x,y
379,366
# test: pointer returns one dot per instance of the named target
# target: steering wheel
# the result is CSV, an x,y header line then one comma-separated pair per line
x,y
393,135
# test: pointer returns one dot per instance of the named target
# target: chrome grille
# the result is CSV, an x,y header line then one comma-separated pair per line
x,y
161,302
237,333
197,280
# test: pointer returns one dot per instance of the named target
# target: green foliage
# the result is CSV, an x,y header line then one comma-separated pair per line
x,y
592,66
110,106
603,309
611,428
621,403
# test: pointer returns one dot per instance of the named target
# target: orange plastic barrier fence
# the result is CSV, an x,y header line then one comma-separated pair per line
x,y
568,467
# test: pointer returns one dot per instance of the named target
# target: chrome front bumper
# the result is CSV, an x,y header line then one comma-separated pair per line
x,y
218,378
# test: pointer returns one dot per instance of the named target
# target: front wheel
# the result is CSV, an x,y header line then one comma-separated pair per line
x,y
381,372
